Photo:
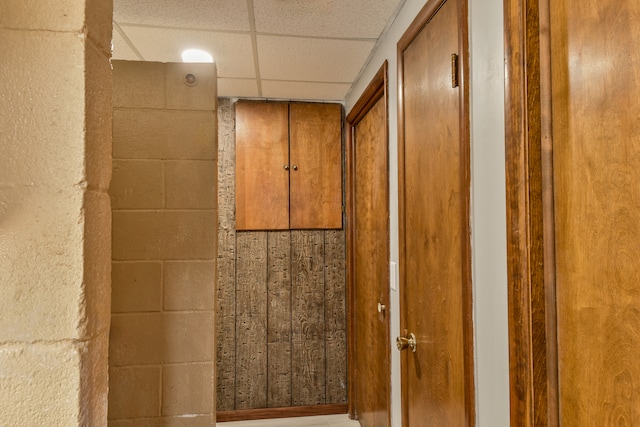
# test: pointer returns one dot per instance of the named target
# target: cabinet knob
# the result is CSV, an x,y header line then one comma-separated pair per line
x,y
286,167
295,168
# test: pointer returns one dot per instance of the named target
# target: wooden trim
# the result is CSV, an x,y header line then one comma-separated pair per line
x,y
422,19
533,353
287,412
465,225
377,88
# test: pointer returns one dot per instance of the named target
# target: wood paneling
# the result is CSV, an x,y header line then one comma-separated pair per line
x,y
435,282
257,270
251,320
226,262
279,374
262,152
279,286
316,166
279,318
596,169
334,317
307,276
307,313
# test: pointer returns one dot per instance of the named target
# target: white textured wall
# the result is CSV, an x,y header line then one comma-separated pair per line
x,y
55,140
487,200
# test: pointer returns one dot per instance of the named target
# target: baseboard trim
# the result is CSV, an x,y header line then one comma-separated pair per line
x,y
287,412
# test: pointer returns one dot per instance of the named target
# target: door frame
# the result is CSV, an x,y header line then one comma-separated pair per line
x,y
377,88
421,20
533,347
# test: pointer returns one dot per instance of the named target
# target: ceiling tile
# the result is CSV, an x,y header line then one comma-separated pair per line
x,y
324,18
305,91
232,52
121,49
197,14
241,88
312,60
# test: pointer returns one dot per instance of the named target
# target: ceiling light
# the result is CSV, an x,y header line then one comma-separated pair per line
x,y
196,55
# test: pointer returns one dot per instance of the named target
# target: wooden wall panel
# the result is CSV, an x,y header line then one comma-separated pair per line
x,y
251,321
335,319
307,314
281,306
307,274
226,272
279,375
308,373
279,319
279,286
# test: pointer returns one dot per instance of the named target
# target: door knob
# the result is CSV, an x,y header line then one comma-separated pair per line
x,y
407,342
286,167
295,167
381,307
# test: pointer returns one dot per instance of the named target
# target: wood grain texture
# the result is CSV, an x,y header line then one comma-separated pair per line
x,y
335,316
335,283
279,374
307,313
279,286
262,152
226,273
308,373
370,245
434,220
254,306
307,275
531,275
316,165
336,372
279,318
596,154
251,321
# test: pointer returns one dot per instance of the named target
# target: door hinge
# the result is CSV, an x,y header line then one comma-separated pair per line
x,y
454,70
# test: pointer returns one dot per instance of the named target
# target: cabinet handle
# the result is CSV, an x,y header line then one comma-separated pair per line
x,y
286,167
295,168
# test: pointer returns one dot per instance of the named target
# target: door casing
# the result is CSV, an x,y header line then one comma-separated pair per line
x,y
375,92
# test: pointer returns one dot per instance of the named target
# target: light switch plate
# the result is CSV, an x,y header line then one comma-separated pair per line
x,y
393,272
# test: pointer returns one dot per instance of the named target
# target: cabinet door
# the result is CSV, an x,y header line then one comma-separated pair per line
x,y
316,166
262,159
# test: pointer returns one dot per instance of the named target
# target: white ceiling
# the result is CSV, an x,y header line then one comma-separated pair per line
x,y
284,49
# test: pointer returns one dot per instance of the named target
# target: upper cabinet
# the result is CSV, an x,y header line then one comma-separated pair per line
x,y
288,166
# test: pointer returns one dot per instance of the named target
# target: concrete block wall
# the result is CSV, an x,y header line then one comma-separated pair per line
x,y
164,200
55,134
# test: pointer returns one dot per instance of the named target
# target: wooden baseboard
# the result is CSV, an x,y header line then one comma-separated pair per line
x,y
288,412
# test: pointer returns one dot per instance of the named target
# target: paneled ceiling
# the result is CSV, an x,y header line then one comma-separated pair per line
x,y
282,49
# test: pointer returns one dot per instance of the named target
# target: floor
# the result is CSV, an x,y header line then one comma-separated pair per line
x,y
319,421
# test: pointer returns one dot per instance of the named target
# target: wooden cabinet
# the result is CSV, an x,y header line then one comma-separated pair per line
x,y
288,166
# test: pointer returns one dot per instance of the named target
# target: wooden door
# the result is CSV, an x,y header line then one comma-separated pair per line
x,y
262,166
369,256
316,166
586,132
437,379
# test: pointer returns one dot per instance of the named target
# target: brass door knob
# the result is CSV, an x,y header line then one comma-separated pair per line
x,y
381,307
286,167
407,342
295,167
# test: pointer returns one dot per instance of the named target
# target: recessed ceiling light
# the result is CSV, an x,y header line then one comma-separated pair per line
x,y
196,55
